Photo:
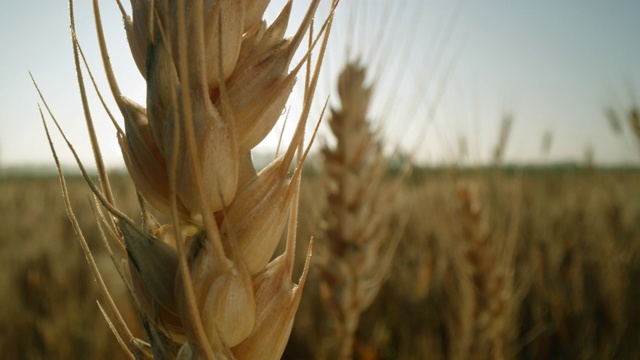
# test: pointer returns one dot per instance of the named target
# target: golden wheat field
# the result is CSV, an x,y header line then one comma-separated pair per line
x,y
492,263
213,237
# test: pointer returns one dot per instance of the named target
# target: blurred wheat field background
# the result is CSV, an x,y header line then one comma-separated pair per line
x,y
566,243
491,256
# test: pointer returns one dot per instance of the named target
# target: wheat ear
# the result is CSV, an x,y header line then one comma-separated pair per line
x,y
487,275
217,80
359,238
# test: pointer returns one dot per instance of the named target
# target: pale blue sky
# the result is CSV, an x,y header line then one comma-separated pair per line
x,y
555,64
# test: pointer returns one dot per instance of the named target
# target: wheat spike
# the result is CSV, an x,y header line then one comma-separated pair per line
x,y
218,77
503,138
359,239
487,276
634,122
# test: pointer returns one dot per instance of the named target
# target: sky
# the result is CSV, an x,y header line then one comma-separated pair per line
x,y
442,71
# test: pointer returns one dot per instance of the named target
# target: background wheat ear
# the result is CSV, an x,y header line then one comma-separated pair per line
x,y
485,262
503,138
634,122
361,228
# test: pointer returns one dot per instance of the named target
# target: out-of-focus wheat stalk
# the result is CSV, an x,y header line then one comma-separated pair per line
x,y
359,235
545,144
588,156
491,286
463,149
634,123
614,121
503,138
217,80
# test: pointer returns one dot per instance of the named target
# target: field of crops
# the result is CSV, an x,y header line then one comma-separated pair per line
x,y
523,264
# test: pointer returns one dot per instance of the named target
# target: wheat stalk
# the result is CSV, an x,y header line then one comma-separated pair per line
x,y
486,274
634,122
217,80
546,143
503,138
359,238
